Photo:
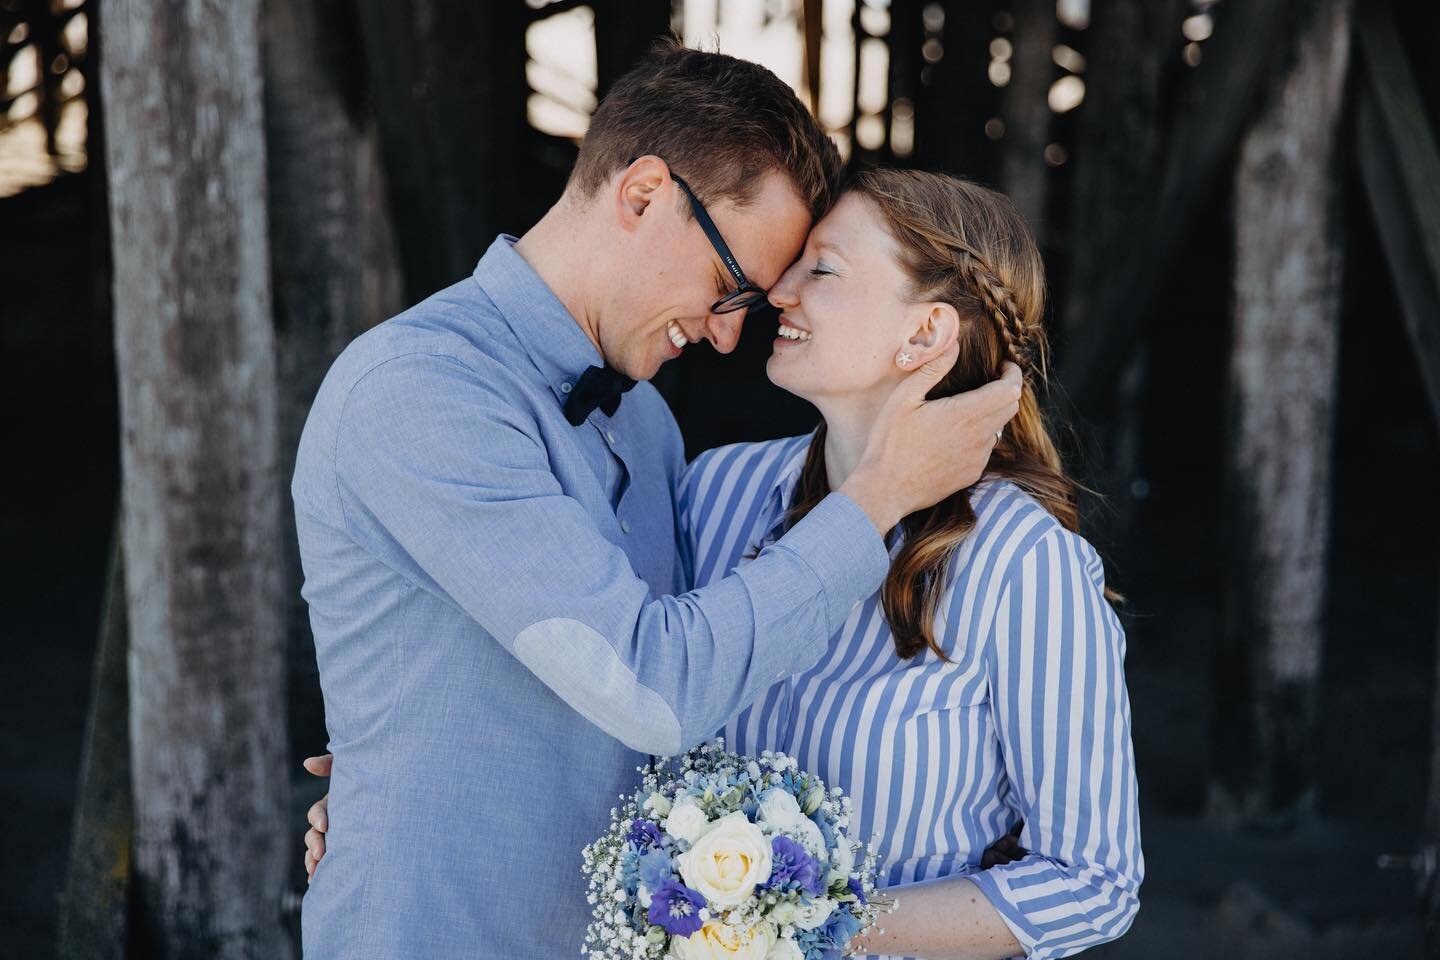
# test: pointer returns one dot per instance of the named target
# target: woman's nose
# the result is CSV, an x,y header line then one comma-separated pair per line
x,y
785,292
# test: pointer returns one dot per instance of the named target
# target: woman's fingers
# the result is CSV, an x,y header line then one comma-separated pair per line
x,y
319,814
315,844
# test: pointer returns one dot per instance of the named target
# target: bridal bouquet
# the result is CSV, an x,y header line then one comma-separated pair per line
x,y
722,856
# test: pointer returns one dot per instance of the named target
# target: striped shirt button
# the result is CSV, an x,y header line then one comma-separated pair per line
x,y
625,526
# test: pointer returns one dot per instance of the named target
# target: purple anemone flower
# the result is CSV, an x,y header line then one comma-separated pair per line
x,y
676,908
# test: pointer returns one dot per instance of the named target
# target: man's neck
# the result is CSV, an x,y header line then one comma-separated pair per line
x,y
552,251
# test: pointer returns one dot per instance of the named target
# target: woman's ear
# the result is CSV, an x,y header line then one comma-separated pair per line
x,y
938,328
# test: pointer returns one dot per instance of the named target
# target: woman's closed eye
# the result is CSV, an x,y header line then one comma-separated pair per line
x,y
821,270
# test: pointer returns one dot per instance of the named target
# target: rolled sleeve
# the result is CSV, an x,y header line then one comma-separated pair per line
x,y
1063,720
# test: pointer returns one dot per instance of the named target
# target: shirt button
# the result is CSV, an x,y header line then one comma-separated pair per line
x,y
610,435
565,388
625,526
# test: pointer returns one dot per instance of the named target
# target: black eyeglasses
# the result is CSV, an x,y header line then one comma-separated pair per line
x,y
747,295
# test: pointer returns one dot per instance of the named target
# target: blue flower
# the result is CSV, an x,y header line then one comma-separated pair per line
x,y
857,888
792,868
676,909
644,834
840,929
654,868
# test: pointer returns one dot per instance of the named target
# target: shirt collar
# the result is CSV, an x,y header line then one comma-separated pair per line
x,y
546,330
782,489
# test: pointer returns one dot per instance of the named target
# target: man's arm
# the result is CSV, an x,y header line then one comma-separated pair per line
x,y
436,469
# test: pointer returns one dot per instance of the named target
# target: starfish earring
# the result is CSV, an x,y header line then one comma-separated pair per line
x,y
904,358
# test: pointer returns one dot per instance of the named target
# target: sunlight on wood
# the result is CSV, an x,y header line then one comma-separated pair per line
x,y
24,71
562,73
1075,14
1198,28
902,127
1068,58
1066,94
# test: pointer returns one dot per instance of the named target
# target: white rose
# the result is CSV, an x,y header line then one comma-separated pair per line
x,y
716,941
814,913
809,836
779,809
785,949
843,862
727,862
658,803
687,821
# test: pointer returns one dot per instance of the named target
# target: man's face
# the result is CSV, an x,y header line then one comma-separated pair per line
x,y
675,274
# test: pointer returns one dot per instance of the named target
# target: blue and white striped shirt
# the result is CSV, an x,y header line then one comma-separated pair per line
x,y
1029,720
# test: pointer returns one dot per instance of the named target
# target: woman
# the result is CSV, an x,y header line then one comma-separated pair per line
x,y
982,685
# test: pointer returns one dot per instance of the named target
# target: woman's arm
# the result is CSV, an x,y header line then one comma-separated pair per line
x,y
942,920
1061,713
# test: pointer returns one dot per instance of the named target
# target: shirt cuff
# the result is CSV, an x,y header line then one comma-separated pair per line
x,y
1005,886
840,545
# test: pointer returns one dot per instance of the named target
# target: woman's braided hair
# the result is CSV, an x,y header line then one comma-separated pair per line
x,y
966,245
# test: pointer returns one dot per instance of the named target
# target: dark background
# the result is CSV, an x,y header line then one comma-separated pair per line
x,y
1313,889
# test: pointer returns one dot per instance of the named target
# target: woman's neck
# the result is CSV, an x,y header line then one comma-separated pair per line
x,y
847,429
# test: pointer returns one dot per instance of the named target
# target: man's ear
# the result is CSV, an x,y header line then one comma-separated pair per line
x,y
637,187
938,328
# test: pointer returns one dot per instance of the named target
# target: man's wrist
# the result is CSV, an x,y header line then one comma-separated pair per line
x,y
874,498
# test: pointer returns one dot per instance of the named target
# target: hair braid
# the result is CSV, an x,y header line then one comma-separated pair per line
x,y
1022,346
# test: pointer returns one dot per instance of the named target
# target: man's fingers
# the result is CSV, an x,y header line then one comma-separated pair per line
x,y
319,766
989,407
1010,373
919,383
319,815
310,862
315,843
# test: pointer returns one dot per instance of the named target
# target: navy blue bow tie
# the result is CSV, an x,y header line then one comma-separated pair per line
x,y
597,387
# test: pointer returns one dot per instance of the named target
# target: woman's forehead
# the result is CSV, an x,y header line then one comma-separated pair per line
x,y
850,230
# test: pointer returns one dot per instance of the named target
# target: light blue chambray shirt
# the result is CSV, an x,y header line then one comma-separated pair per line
x,y
500,620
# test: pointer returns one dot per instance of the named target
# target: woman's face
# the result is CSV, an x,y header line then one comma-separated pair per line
x,y
845,312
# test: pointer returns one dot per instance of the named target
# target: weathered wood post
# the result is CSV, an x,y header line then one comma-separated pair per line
x,y
335,270
1288,254
1399,162
94,906
1023,170
201,492
1133,46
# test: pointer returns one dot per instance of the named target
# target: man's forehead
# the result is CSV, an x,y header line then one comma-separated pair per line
x,y
770,238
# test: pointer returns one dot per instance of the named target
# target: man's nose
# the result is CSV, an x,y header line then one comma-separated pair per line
x,y
724,329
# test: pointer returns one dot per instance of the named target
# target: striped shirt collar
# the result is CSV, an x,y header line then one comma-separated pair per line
x,y
546,330
782,489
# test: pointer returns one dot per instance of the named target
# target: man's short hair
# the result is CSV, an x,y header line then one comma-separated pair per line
x,y
720,123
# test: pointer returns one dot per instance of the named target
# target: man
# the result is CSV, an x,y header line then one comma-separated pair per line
x,y
487,525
